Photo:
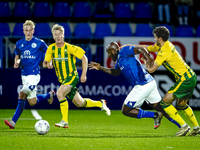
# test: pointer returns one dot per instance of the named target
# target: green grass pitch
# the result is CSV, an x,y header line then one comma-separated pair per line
x,y
93,130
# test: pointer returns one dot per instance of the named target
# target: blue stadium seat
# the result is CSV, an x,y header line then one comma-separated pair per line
x,y
4,29
102,11
122,10
88,53
184,31
102,30
82,11
82,30
22,9
198,31
123,29
142,12
18,30
42,9
143,30
5,10
67,29
61,9
42,30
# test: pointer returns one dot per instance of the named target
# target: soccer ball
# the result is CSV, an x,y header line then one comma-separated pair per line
x,y
42,127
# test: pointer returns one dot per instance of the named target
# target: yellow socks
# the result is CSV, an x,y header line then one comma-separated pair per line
x,y
190,115
64,109
172,112
92,103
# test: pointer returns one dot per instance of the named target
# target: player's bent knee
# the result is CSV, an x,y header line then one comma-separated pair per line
x,y
80,104
22,95
125,112
60,95
32,102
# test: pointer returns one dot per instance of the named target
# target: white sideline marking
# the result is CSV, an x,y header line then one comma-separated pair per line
x,y
36,114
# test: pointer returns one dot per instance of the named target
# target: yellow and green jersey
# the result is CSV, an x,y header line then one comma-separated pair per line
x,y
64,59
172,61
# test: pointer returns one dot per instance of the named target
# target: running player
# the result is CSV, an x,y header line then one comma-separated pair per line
x,y
144,85
63,56
185,80
29,52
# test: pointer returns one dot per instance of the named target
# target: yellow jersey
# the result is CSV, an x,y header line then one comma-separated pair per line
x,y
64,59
172,61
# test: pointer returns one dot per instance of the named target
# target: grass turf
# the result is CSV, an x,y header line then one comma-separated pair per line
x,y
93,130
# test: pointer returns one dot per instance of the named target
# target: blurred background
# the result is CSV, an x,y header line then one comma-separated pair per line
x,y
92,24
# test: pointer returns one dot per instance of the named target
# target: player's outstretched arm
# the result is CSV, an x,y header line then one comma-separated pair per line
x,y
97,66
145,46
145,54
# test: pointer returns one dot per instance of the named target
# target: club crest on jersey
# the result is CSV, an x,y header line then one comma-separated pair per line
x,y
65,51
33,45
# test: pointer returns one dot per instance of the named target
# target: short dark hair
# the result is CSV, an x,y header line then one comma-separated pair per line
x,y
162,32
112,46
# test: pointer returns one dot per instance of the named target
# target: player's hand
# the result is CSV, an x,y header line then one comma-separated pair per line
x,y
83,78
16,65
94,65
150,62
50,66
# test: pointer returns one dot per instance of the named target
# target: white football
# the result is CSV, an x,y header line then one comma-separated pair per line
x,y
42,127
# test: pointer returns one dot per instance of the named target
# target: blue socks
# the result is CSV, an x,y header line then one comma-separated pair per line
x,y
19,110
21,105
145,114
42,97
173,121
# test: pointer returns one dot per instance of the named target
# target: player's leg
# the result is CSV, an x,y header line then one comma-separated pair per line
x,y
87,102
61,93
31,81
41,97
182,105
184,93
153,100
135,99
20,107
166,104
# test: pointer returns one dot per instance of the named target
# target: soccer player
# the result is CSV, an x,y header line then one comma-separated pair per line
x,y
29,52
63,56
144,85
185,80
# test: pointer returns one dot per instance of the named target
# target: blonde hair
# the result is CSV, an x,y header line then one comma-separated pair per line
x,y
29,23
57,27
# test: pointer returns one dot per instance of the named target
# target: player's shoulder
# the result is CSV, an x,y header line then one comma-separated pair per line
x,y
167,47
51,45
38,40
20,41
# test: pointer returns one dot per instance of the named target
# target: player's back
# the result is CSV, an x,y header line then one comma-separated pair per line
x,y
131,67
174,63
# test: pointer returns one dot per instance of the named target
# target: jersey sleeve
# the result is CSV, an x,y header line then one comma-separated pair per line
x,y
44,47
153,48
48,54
76,51
162,55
